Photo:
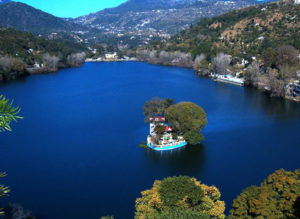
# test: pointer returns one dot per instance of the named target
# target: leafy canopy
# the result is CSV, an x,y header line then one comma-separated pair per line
x,y
180,197
188,119
8,113
156,107
277,197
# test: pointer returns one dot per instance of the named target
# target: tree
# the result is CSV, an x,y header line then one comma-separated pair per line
x,y
277,197
50,62
198,61
3,191
221,63
159,130
287,55
76,59
156,107
180,197
269,57
252,74
8,113
193,137
188,119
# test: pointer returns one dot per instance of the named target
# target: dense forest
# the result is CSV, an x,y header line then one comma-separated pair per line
x,y
22,53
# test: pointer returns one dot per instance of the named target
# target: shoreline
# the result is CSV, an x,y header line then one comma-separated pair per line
x,y
112,60
290,98
43,71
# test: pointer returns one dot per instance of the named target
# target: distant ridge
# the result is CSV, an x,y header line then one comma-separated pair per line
x,y
26,18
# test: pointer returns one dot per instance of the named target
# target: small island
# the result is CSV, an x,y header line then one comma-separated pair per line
x,y
173,125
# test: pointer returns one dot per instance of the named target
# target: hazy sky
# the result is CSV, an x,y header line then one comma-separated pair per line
x,y
71,8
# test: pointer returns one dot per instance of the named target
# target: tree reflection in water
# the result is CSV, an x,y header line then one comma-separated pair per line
x,y
188,160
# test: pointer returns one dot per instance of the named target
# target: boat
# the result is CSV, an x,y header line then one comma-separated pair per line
x,y
230,79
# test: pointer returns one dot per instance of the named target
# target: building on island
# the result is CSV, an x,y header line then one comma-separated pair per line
x,y
167,140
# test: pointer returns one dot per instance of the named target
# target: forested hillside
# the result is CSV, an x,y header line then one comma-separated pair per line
x,y
23,53
244,33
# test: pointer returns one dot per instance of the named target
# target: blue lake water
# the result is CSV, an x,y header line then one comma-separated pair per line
x,y
76,154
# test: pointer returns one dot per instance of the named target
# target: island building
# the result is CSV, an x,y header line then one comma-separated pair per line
x,y
166,142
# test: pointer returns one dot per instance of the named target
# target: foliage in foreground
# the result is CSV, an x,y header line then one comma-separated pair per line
x,y
8,113
180,197
3,191
277,197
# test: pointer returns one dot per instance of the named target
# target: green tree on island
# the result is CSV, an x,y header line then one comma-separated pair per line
x,y
8,114
277,197
188,119
180,197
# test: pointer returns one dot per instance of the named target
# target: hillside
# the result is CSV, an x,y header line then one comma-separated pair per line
x,y
137,22
26,18
259,45
22,53
244,33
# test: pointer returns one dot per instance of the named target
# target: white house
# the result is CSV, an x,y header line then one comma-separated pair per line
x,y
297,1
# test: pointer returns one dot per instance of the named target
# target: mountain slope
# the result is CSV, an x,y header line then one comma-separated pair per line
x,y
26,18
167,16
244,33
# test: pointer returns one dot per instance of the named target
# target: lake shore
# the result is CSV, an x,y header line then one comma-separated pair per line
x,y
112,60
206,73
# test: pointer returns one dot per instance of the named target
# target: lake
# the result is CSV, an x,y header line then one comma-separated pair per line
x,y
75,154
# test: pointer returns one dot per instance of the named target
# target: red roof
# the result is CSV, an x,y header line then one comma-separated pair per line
x,y
157,119
168,129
